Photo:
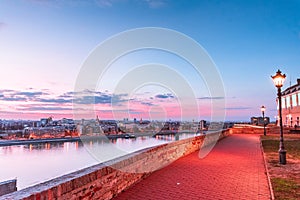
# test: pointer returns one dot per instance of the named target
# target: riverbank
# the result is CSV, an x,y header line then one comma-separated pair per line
x,y
83,138
65,139
37,141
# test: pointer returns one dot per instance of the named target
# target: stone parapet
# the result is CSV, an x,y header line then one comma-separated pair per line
x,y
249,129
7,187
106,180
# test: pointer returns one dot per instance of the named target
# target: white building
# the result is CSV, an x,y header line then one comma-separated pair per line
x,y
291,105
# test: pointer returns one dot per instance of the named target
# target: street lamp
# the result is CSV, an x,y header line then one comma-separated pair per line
x,y
263,109
278,80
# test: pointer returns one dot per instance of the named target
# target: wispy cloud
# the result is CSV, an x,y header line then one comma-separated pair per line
x,y
147,103
84,97
14,95
156,3
67,95
153,4
54,100
29,94
33,101
104,3
238,108
210,98
6,90
14,98
150,3
44,108
164,96
136,112
90,97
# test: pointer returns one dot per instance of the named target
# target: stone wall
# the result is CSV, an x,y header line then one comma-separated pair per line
x,y
106,180
250,129
7,187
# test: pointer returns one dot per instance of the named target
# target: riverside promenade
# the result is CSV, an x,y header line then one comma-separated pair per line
x,y
234,169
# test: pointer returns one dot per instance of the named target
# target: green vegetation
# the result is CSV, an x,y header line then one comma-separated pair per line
x,y
284,188
285,179
291,145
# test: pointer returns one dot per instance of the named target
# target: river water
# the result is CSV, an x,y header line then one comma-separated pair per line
x,y
35,163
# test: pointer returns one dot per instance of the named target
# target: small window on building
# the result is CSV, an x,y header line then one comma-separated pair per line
x,y
288,101
294,100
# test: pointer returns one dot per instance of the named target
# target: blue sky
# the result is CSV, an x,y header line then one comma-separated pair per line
x,y
43,45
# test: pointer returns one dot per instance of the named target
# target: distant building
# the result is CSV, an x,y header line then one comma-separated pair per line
x,y
291,105
202,125
260,120
45,122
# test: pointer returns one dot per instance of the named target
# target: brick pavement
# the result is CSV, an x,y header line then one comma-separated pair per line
x,y
234,169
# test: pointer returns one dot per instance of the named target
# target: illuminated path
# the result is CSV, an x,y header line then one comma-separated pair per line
x,y
233,170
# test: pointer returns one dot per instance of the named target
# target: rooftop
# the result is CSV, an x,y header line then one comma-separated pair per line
x,y
292,88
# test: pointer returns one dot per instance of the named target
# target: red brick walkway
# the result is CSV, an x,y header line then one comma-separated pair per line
x,y
234,169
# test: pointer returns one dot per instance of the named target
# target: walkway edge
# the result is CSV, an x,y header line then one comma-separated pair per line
x,y
267,171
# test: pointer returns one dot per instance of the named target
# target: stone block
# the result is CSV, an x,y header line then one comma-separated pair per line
x,y
8,187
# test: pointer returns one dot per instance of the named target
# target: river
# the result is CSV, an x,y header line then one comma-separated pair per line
x,y
35,163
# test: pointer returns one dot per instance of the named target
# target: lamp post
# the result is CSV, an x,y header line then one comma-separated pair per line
x,y
278,80
263,109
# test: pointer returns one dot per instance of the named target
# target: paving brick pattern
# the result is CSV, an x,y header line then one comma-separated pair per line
x,y
234,169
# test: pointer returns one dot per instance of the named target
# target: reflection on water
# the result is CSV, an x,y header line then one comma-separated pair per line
x,y
35,163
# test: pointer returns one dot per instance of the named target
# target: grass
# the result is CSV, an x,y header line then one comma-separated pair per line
x,y
292,146
285,182
285,189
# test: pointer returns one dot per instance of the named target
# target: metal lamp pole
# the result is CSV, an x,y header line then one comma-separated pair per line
x,y
278,80
263,108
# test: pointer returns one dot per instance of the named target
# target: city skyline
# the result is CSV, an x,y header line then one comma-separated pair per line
x,y
45,43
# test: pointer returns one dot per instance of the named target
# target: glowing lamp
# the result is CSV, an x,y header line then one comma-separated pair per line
x,y
262,109
278,79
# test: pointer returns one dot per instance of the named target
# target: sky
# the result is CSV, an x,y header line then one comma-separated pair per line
x,y
44,45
